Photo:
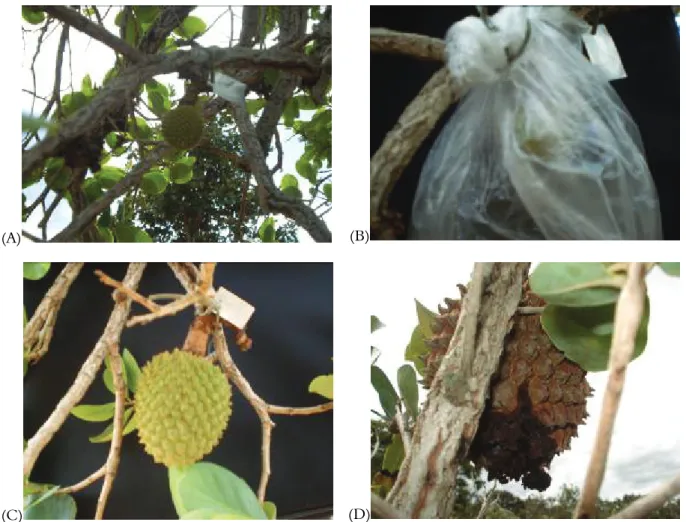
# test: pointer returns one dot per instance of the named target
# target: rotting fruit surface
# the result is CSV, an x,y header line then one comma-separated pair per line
x,y
536,402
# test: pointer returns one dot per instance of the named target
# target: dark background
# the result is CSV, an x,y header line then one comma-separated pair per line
x,y
292,333
648,43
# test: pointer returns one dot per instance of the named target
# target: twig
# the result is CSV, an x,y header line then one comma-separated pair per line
x,y
112,462
172,308
307,410
86,375
29,210
258,404
85,482
645,505
416,45
416,122
530,310
79,22
206,277
47,213
131,294
487,501
279,153
38,331
383,509
187,274
628,315
30,236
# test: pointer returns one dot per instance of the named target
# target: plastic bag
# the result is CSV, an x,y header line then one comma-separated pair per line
x,y
540,147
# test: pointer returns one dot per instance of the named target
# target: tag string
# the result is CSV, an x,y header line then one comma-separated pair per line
x,y
511,57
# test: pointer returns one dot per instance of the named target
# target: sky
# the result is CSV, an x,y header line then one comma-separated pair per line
x,y
645,445
88,56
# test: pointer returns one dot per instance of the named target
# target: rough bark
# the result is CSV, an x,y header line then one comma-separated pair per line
x,y
445,428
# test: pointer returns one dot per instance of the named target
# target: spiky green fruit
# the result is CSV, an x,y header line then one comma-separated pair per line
x,y
183,405
183,126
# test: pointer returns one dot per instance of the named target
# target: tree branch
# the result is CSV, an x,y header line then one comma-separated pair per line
x,y
79,22
124,87
449,420
416,122
86,375
654,500
277,201
416,45
628,314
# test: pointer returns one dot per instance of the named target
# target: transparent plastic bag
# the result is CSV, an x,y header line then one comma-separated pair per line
x,y
540,147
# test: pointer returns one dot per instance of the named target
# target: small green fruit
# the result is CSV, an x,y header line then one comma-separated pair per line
x,y
183,126
183,405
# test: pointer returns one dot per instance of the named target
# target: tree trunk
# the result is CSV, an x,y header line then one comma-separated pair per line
x,y
449,420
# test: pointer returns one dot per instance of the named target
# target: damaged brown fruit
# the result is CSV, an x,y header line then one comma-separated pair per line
x,y
537,398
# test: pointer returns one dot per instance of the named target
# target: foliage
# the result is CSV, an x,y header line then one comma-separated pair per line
x,y
208,207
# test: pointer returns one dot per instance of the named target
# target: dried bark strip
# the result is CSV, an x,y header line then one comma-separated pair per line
x,y
417,121
644,506
38,331
442,423
86,374
416,45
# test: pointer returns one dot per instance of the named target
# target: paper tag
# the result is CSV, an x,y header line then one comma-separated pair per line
x,y
233,309
228,88
603,53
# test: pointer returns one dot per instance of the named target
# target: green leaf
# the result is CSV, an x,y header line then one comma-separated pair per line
x,y
387,394
671,269
132,31
180,173
426,319
87,86
270,510
59,180
94,412
305,103
52,507
109,176
416,350
306,170
576,284
92,189
109,380
141,236
290,112
35,271
154,85
289,186
154,183
208,486
131,369
146,13
32,15
106,235
376,323
267,231
394,454
156,100
106,435
191,27
584,335
322,385
255,105
327,191
409,390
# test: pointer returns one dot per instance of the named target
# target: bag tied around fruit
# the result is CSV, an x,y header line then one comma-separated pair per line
x,y
540,147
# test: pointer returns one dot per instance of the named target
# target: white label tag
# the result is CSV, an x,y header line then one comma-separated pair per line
x,y
603,53
233,309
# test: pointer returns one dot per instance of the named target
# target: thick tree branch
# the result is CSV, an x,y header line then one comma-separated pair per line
x,y
86,375
79,22
277,201
168,20
125,86
416,45
628,314
416,122
449,420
